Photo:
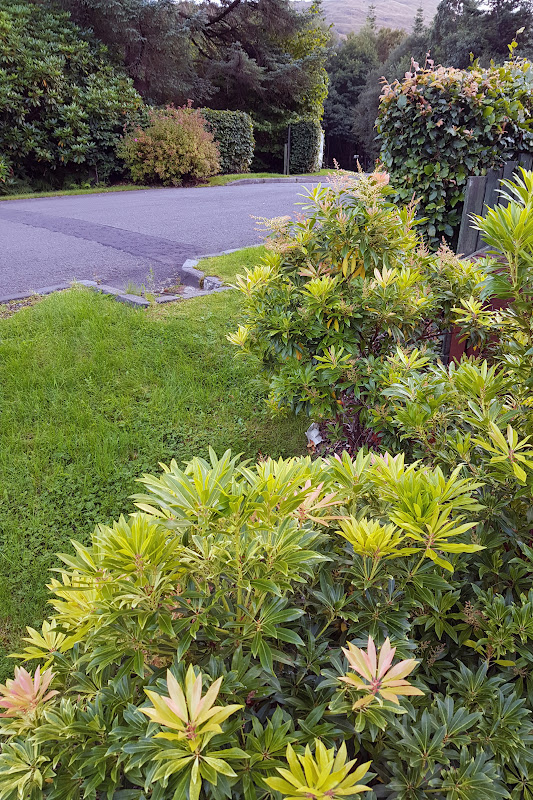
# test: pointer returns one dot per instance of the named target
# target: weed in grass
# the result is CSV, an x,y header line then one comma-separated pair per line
x,y
133,288
12,306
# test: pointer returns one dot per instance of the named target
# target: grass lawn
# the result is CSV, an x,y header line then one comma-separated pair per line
x,y
95,393
216,180
122,187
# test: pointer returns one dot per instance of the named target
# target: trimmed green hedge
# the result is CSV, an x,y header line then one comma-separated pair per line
x,y
439,126
306,137
233,131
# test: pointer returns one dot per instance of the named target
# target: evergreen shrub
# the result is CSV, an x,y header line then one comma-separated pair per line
x,y
63,105
306,139
233,131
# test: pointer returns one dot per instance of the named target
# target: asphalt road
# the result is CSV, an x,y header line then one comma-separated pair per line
x,y
118,237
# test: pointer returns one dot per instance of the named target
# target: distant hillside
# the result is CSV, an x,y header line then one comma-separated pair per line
x,y
350,15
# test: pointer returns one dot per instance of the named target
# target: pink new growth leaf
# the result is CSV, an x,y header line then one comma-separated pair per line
x,y
383,681
24,694
385,658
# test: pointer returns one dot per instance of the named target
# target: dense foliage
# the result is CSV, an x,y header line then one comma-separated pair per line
x,y
4,169
174,146
265,57
349,65
337,293
438,126
483,29
305,144
63,105
311,628
233,131
245,584
459,31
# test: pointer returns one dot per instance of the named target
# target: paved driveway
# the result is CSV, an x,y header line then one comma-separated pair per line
x,y
118,237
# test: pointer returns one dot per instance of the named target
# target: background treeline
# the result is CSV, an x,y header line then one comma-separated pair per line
x,y
461,30
74,76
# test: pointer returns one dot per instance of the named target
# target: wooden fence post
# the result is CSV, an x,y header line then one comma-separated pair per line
x,y
474,196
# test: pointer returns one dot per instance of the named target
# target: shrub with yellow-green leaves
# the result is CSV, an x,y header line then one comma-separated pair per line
x,y
213,644
338,292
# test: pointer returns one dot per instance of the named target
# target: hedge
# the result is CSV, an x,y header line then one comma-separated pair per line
x,y
233,131
4,169
306,138
438,126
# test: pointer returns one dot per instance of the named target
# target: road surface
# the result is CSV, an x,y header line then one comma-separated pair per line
x,y
120,236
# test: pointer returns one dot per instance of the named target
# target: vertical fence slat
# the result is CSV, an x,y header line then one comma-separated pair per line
x,y
492,184
509,168
475,193
525,160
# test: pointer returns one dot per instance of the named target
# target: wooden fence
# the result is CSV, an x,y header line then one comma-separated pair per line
x,y
481,193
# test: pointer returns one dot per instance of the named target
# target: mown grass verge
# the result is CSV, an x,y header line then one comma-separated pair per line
x,y
123,187
95,393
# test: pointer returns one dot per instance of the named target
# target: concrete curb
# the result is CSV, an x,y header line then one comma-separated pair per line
x,y
288,179
195,282
198,278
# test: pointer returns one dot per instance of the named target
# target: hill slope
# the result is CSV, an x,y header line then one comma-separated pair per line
x,y
350,15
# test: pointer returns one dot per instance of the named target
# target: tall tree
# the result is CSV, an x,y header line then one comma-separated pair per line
x,y
349,66
418,22
176,49
465,27
371,18
266,57
153,40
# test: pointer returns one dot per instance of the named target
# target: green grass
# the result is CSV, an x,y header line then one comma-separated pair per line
x,y
123,187
226,267
217,180
94,394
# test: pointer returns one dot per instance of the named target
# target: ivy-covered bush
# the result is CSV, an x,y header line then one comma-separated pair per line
x,y
320,629
63,105
438,126
306,140
233,131
338,291
173,147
